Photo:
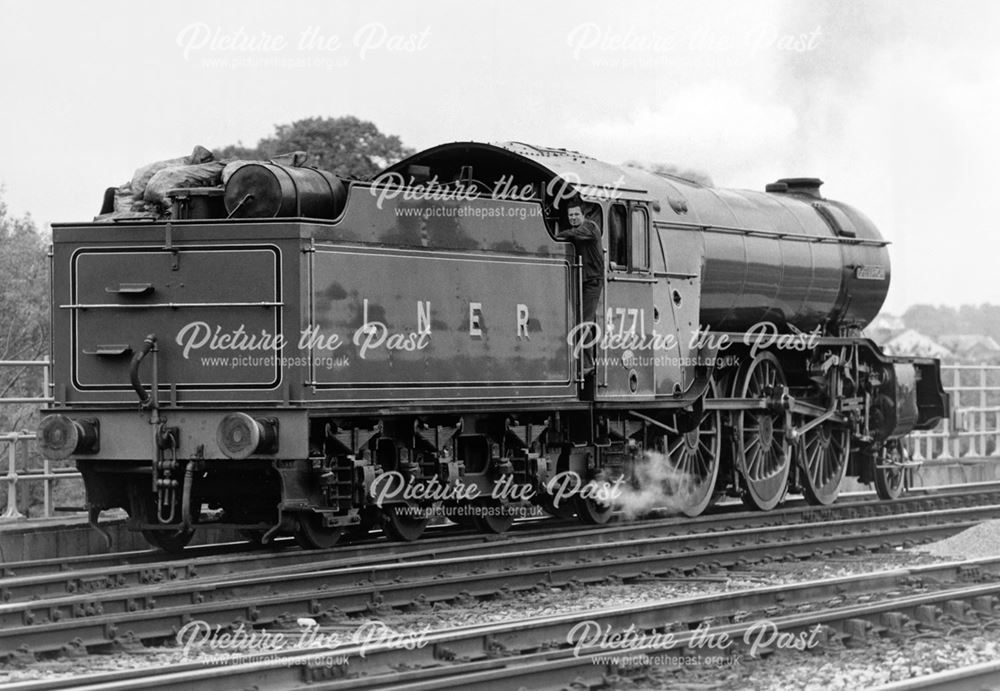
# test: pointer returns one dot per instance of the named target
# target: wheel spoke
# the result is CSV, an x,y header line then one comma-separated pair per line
x,y
819,468
778,449
671,452
684,464
755,462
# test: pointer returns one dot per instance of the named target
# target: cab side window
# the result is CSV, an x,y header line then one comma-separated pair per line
x,y
628,237
639,255
594,212
658,261
618,237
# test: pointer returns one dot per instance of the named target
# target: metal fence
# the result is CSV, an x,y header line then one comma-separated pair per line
x,y
972,436
13,442
973,433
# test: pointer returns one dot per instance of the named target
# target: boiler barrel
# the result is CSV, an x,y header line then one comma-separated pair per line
x,y
788,258
266,190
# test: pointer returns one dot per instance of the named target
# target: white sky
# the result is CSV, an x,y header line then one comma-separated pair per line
x,y
895,105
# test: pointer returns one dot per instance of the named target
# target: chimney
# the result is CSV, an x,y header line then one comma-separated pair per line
x,y
807,186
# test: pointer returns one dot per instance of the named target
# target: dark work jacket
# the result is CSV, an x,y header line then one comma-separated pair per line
x,y
586,237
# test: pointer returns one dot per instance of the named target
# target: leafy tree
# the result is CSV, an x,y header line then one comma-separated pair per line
x,y
932,320
24,332
24,294
347,146
942,320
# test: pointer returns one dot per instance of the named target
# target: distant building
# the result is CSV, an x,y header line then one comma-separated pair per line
x,y
911,342
884,328
888,322
971,347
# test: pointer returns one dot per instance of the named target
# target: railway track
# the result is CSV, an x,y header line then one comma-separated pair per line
x,y
54,577
617,644
330,590
971,678
241,553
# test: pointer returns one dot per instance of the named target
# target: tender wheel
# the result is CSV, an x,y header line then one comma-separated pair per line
x,y
822,454
167,540
310,533
491,516
592,511
400,522
761,449
692,449
566,508
890,478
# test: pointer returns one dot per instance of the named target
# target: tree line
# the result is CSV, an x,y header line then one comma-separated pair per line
x,y
346,146
936,321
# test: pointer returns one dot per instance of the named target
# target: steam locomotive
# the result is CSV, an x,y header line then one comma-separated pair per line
x,y
295,353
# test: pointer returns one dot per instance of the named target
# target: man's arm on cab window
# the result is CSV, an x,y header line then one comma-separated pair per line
x,y
585,231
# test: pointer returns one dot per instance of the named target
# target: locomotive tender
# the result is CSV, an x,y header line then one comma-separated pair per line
x,y
324,356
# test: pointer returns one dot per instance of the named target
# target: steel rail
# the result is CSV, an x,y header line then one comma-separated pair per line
x,y
539,652
259,598
985,675
30,580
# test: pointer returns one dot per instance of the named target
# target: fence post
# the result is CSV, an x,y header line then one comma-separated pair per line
x,y
996,435
945,442
47,487
977,424
957,383
982,412
12,511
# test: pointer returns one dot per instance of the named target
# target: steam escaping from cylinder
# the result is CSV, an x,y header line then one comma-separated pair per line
x,y
657,484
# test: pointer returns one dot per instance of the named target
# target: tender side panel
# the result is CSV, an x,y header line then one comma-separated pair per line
x,y
396,323
203,304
